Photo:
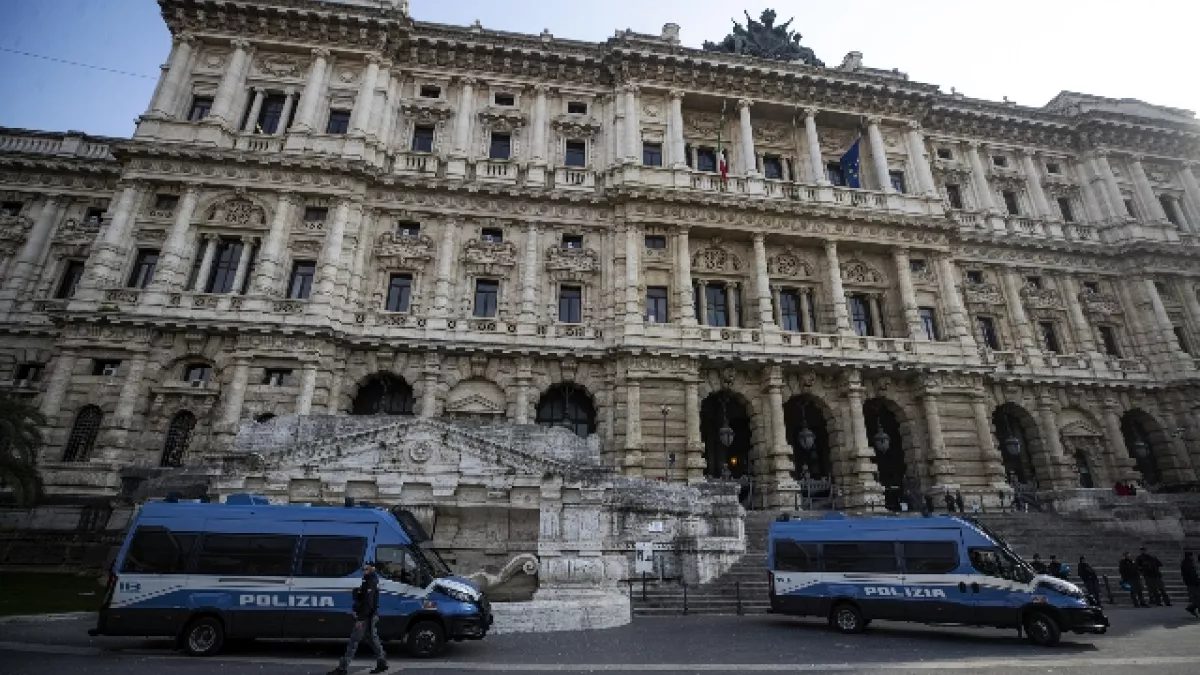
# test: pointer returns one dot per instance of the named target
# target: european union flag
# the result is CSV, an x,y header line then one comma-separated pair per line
x,y
850,165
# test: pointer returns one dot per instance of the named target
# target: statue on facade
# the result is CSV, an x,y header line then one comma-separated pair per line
x,y
765,40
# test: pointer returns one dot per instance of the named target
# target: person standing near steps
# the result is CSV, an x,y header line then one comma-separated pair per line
x,y
1191,579
1091,580
1131,578
366,623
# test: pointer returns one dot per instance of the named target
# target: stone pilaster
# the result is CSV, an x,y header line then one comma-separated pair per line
x,y
172,266
251,125
633,279
920,160
837,296
632,461
360,116
694,460
879,155
1019,319
166,99
984,197
762,283
445,258
683,283
234,394
1152,210
816,165
331,255
22,269
990,459
313,93
1033,183
268,272
523,380
1121,463
232,80
675,130
463,118
285,117
856,476
1084,336
243,266
1191,192
908,296
56,384
104,268
940,466
308,385
529,275
633,125
749,163
208,248
1112,191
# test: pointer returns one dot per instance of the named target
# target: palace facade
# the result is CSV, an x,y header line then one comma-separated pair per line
x,y
329,208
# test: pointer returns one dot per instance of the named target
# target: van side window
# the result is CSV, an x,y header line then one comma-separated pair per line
x,y
156,550
246,554
398,564
864,556
792,556
996,563
331,556
930,557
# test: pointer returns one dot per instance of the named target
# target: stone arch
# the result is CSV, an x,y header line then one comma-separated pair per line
x,y
84,430
1019,440
807,411
720,409
1148,445
475,397
1083,446
884,414
178,438
569,405
383,394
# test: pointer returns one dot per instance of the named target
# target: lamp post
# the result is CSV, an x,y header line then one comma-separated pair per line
x,y
670,459
881,440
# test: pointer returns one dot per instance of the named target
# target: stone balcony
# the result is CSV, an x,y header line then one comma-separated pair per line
x,y
416,164
1022,226
497,171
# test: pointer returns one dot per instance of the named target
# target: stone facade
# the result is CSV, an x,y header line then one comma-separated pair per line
x,y
329,207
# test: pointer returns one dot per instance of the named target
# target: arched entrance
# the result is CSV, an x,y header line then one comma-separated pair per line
x,y
1146,443
383,394
805,418
1016,434
570,406
883,434
725,431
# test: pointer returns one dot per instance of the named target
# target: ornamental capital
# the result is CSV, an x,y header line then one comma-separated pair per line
x,y
676,94
240,43
874,120
913,125
810,111
373,59
744,103
186,37
541,88
468,81
319,52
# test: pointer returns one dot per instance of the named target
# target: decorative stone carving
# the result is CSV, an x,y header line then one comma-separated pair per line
x,y
502,118
983,293
398,250
716,258
14,228
238,211
1100,303
1041,298
282,65
703,125
560,259
486,253
789,264
77,232
765,40
426,110
859,272
576,126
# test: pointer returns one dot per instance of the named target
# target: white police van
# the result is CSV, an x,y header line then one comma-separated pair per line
x,y
937,570
249,569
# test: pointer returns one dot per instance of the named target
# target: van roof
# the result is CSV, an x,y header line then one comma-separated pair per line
x,y
275,512
838,526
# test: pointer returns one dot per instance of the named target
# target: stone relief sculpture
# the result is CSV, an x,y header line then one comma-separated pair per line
x,y
525,563
765,40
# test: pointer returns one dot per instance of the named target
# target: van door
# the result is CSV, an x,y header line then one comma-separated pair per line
x,y
1003,587
931,587
328,569
242,570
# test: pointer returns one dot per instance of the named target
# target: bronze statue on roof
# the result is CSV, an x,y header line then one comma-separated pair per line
x,y
765,40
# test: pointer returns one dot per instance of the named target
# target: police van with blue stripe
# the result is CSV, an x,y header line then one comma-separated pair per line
x,y
248,569
935,570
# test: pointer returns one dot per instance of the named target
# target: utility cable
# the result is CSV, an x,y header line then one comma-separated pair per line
x,y
76,63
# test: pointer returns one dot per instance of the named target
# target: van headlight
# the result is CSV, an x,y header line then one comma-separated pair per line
x,y
456,594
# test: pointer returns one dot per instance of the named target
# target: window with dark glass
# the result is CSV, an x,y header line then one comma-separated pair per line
x,y
269,114
576,154
179,436
339,122
773,167
201,106
974,276
572,241
157,550
1168,208
83,434
860,315
422,139
944,153
1129,208
570,304
999,160
69,281
866,556
929,322
1064,207
268,555
1091,287
954,196
897,180
93,215
408,228
652,154
501,146
656,304
193,372
833,171
277,377
505,99
789,310
399,293
143,268
794,556
1010,202
1053,167
315,214
331,556
1181,338
917,265
1034,282
492,235
225,263
105,367
1162,290
706,160
930,557
1108,335
656,241
11,209
487,292
716,297
987,332
165,202
1049,336
576,107
300,286
431,91
29,372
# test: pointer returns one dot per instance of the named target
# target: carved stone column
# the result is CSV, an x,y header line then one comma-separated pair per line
x,y
632,462
361,114
879,155
529,275
1191,192
222,112
781,463
21,271
130,388
104,267
695,446
429,383
445,259
633,278
235,393
308,385
983,191
1079,324
379,102
313,93
762,283
267,275
908,295
633,125
1166,329
990,457
208,244
1112,190
331,255
255,108
683,283
940,468
285,117
816,166
1092,205
538,149
523,379
1016,310
463,118
166,99
243,266
857,472
920,160
1033,183
837,296
56,384
749,164
733,295
172,266
1052,442
1123,466
1152,208
675,126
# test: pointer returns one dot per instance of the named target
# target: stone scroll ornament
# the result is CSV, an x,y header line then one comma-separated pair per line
x,y
526,563
765,40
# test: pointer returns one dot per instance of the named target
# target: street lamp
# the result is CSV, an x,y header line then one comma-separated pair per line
x,y
881,440
670,458
1011,442
1139,448
725,433
805,438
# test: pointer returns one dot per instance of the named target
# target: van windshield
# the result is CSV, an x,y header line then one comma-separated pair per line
x,y
411,564
998,562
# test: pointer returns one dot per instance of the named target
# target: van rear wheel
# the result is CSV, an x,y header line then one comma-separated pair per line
x,y
203,636
1042,629
425,639
847,618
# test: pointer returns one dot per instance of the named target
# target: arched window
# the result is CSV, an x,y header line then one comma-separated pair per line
x,y
383,394
83,434
570,406
179,434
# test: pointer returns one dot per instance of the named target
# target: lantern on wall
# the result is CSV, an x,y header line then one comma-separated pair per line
x,y
725,433
805,438
1011,442
881,441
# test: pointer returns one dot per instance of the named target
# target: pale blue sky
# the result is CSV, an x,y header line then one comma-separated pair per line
x,y
1027,50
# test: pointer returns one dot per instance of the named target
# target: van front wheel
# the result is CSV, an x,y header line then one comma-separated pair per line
x,y
425,639
846,618
1042,629
203,636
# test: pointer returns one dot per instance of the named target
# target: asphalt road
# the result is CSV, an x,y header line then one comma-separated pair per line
x,y
1153,640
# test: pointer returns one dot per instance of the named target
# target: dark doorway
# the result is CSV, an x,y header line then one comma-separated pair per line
x,y
383,394
1138,430
725,430
1016,431
804,419
569,406
889,449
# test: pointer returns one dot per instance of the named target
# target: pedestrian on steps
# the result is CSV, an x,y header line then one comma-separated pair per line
x,y
1130,577
1091,580
1037,564
1191,579
366,623
1056,568
1151,569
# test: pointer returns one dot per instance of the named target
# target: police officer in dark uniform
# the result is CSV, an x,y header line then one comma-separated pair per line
x,y
1130,575
1091,580
1151,569
366,622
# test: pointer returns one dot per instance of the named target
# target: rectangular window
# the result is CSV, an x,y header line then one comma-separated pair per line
x,y
1091,287
1053,167
157,550
917,266
999,160
570,304
143,268
29,372
656,304
945,153
501,146
576,107
897,180
11,209
399,293
406,228
789,310
1010,202
706,160
929,323
201,106
69,282
656,241
507,100
331,556
1129,208
491,235
1034,282
987,332
833,171
487,292
225,263
268,555
652,154
1168,208
269,114
300,286
105,367
954,196
1181,338
277,377
974,277
1108,335
576,154
165,202
773,167
860,315
315,214
716,296
93,215
1049,337
866,556
422,139
930,557
793,556
431,91
197,372
1064,207
339,122
572,241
